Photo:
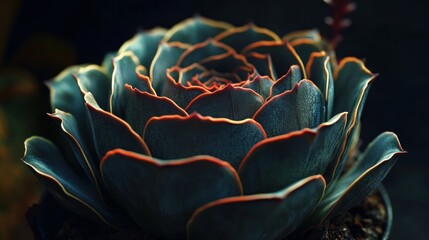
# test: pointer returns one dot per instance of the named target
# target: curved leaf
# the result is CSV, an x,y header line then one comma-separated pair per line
x,y
235,103
302,107
68,187
141,106
276,162
312,34
144,45
352,83
262,216
111,132
82,154
200,51
195,135
162,195
94,79
240,37
195,30
319,70
66,96
263,64
124,72
166,57
287,81
282,54
180,94
107,63
368,172
260,84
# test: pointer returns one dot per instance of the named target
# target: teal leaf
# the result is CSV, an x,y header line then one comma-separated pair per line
x,y
262,216
282,54
125,67
367,173
240,37
319,71
312,34
107,63
302,107
161,195
88,164
263,64
277,162
228,63
95,80
194,135
144,45
287,81
141,106
66,96
352,83
68,187
188,73
305,43
111,132
261,85
195,30
182,95
305,47
166,57
235,103
200,51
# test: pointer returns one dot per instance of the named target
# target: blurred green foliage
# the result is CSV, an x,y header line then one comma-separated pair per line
x,y
22,106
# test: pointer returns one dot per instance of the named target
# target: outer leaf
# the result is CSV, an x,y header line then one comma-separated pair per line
x,y
235,103
107,63
124,72
162,195
302,107
194,135
66,96
287,81
195,30
95,80
276,162
141,106
111,132
68,187
82,154
282,54
352,83
371,168
262,216
319,70
144,45
240,37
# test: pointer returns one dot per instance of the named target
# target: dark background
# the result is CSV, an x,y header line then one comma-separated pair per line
x,y
393,36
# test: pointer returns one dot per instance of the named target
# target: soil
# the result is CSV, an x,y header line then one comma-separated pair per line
x,y
364,222
367,221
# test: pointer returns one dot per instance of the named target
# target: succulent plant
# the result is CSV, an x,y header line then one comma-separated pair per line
x,y
210,131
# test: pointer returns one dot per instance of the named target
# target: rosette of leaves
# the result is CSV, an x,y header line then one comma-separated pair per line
x,y
210,131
